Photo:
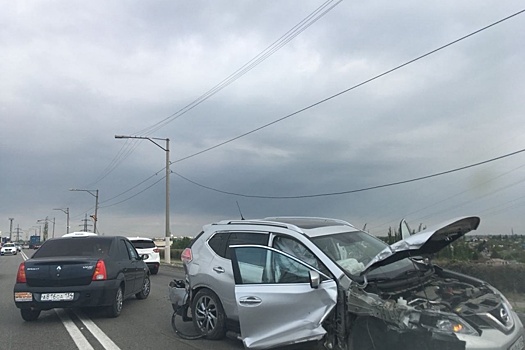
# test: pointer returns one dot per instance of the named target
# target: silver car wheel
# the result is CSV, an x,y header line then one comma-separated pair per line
x,y
208,315
206,312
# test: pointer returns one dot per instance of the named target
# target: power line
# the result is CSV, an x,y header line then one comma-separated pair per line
x,y
357,190
259,58
130,145
328,99
136,194
129,189
349,89
449,198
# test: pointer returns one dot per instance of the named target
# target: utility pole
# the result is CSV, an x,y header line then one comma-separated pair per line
x,y
66,211
94,193
46,227
167,251
18,232
10,228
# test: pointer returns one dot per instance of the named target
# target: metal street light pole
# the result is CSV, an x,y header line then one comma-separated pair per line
x,y
10,228
66,211
46,227
167,252
95,218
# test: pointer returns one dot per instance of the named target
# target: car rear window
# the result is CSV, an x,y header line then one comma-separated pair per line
x,y
92,247
143,244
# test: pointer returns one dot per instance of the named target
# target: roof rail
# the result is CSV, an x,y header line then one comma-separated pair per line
x,y
296,223
257,222
306,222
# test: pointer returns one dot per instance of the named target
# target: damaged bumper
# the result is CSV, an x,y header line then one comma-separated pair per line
x,y
492,339
410,324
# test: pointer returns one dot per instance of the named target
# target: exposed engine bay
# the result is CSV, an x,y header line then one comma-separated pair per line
x,y
446,294
435,310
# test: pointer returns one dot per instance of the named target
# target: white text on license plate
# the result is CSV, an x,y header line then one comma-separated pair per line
x,y
57,296
518,345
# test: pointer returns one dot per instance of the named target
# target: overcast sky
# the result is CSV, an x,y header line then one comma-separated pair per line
x,y
73,74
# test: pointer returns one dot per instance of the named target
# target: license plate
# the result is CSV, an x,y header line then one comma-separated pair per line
x,y
23,296
518,345
57,296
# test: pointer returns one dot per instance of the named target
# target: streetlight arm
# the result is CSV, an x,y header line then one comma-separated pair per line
x,y
88,191
145,138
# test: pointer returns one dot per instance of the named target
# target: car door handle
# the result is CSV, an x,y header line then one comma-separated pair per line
x,y
218,269
250,301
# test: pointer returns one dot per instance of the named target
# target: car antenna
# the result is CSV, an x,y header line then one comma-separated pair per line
x,y
240,212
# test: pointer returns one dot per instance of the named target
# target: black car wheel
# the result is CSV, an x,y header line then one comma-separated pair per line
x,y
154,270
146,288
115,308
208,314
29,314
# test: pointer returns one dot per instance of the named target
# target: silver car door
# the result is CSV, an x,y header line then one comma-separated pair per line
x,y
278,300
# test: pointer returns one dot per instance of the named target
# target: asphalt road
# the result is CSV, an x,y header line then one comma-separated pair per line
x,y
143,324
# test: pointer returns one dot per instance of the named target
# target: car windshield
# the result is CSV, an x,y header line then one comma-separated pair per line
x,y
9,245
93,247
350,250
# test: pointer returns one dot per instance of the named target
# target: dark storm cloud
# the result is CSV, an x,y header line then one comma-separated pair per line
x,y
74,74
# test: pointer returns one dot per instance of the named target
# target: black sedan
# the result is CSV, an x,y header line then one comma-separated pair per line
x,y
81,271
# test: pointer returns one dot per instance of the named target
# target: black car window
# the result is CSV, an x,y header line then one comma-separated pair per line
x,y
122,250
143,244
218,243
221,241
131,251
238,238
92,247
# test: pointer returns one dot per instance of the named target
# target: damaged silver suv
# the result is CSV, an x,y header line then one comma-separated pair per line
x,y
288,280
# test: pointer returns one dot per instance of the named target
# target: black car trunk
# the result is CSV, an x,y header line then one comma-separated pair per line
x,y
68,271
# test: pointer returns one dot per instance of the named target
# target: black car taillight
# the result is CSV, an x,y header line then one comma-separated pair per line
x,y
100,271
21,275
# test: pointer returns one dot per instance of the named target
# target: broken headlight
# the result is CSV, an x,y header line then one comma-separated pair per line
x,y
446,324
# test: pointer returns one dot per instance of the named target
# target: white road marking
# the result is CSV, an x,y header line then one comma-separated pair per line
x,y
103,339
77,336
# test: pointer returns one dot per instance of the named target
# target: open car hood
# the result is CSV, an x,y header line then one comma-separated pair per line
x,y
424,243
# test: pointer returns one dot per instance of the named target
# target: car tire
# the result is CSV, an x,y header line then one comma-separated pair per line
x,y
115,308
208,315
154,270
367,334
146,288
29,315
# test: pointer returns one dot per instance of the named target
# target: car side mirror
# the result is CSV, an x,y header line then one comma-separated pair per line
x,y
315,279
144,257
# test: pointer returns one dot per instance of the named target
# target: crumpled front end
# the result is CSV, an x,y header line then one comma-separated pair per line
x,y
445,312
